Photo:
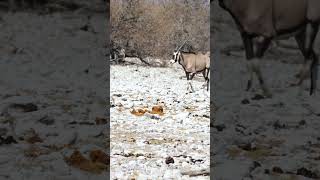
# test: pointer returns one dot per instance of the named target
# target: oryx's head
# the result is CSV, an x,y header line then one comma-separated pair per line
x,y
175,57
176,54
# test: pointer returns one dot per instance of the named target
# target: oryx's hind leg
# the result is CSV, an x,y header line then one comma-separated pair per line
x,y
253,58
208,82
305,42
206,78
249,55
190,80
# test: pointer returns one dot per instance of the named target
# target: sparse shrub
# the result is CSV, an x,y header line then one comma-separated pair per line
x,y
150,28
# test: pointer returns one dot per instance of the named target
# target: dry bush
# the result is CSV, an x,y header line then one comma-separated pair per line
x,y
155,28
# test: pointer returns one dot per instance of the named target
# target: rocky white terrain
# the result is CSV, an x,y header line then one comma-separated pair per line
x,y
158,130
53,122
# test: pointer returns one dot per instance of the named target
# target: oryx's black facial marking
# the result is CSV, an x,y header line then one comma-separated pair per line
x,y
175,56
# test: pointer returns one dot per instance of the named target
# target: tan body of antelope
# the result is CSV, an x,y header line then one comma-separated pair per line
x,y
192,64
260,21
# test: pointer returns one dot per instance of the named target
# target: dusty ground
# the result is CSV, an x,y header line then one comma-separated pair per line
x,y
172,145
274,138
52,96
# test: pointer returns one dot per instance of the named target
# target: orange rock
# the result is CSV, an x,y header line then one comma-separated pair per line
x,y
99,156
34,151
138,112
157,110
32,137
100,120
79,161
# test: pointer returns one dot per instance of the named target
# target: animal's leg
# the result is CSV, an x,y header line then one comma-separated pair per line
x,y
300,38
248,46
261,46
116,58
206,77
204,73
188,77
305,41
191,77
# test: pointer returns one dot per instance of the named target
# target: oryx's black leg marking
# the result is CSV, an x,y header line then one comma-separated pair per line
x,y
208,83
314,74
205,74
192,75
261,46
187,74
253,57
248,46
305,42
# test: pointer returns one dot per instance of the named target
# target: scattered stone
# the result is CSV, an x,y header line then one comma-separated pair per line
x,y
267,171
245,101
35,151
276,169
152,116
220,127
278,125
256,164
7,140
46,120
157,110
307,173
302,123
3,131
257,97
247,147
99,156
79,161
86,123
31,136
169,160
101,121
138,112
202,172
28,107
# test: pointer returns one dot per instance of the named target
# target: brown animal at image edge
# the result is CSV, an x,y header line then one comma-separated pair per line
x,y
259,22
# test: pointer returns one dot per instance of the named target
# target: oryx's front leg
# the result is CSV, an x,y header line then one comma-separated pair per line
x,y
253,58
205,74
305,41
189,79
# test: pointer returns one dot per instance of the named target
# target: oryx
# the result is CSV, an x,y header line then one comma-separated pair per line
x,y
192,64
260,21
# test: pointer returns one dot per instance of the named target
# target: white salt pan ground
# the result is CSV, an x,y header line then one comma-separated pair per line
x,y
141,144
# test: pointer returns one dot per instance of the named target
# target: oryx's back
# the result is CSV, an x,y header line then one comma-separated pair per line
x,y
196,62
271,17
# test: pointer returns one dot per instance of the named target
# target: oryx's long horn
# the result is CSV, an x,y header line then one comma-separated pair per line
x,y
182,45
